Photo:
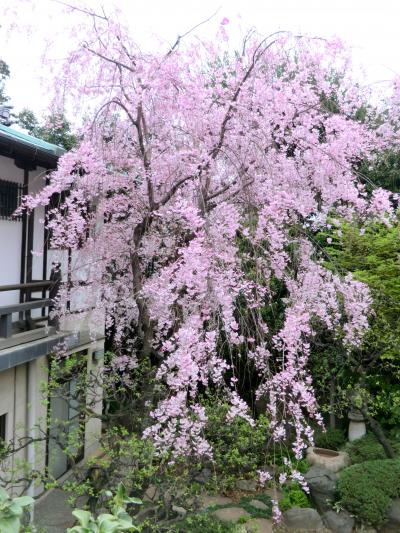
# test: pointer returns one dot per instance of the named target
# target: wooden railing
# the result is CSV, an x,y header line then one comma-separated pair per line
x,y
6,312
9,335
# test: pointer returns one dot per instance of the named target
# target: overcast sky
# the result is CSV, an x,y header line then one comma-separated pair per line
x,y
370,27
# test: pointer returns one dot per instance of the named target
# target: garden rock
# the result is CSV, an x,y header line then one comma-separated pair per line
x,y
274,493
341,522
152,494
204,476
257,504
247,485
259,525
231,514
209,500
179,510
322,484
145,514
394,512
393,523
300,519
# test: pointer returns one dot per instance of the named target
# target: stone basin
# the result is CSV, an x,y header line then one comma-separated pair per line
x,y
329,459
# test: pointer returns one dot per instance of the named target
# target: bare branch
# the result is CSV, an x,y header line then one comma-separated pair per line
x,y
180,37
173,190
82,10
108,59
256,56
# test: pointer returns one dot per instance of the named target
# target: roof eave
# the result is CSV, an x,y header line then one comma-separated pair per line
x,y
20,150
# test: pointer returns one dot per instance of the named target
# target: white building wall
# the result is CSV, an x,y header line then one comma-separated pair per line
x,y
10,262
10,238
9,172
36,183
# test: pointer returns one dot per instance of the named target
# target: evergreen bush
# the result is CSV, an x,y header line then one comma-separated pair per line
x,y
332,439
366,489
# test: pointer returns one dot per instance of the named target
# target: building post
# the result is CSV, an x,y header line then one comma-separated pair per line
x,y
55,278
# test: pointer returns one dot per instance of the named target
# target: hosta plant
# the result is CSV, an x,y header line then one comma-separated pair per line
x,y
12,511
118,520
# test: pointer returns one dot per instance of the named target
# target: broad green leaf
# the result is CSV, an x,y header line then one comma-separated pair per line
x,y
10,525
15,509
83,517
136,501
23,501
3,494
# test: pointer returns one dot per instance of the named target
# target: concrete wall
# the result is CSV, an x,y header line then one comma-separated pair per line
x,y
23,400
13,404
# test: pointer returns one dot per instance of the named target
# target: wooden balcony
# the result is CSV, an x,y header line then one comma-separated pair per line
x,y
27,329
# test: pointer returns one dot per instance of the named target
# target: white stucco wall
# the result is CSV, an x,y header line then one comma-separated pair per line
x,y
11,235
10,238
9,172
10,254
36,183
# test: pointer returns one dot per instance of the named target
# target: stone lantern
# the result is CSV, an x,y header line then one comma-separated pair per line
x,y
357,427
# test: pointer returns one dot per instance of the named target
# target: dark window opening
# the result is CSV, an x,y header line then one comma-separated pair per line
x,y
10,199
66,416
3,427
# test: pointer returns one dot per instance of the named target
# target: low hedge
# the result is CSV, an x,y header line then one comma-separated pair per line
x,y
366,489
368,449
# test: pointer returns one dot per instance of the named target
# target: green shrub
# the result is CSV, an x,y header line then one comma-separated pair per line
x,y
239,449
204,523
293,496
366,449
332,439
366,489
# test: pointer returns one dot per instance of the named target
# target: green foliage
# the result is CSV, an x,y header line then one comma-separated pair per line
x,y
372,256
123,457
366,489
384,173
118,520
4,75
367,449
133,454
204,523
332,439
239,449
104,523
12,511
55,130
293,496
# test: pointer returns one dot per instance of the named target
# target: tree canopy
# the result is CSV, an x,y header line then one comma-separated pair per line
x,y
210,172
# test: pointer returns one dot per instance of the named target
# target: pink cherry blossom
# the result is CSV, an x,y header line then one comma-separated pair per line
x,y
199,180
